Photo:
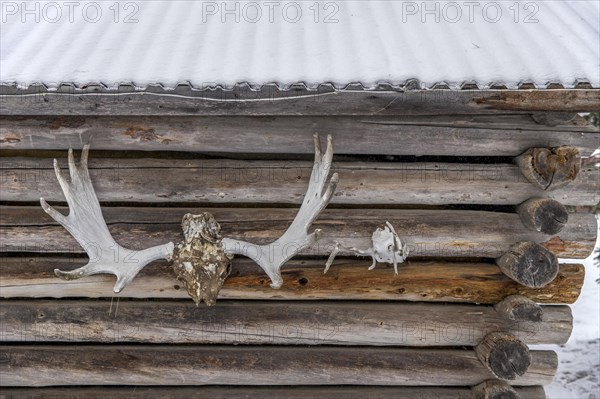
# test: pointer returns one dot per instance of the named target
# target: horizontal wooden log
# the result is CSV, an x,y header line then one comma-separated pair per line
x,y
302,279
277,323
269,100
428,233
284,182
251,392
260,365
468,135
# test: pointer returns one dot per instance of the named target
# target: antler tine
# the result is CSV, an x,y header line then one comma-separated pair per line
x,y
86,224
314,200
296,238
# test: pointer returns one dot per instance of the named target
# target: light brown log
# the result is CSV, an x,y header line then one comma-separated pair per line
x,y
529,264
269,100
252,392
428,233
504,355
495,389
520,308
222,181
303,279
272,322
247,365
543,214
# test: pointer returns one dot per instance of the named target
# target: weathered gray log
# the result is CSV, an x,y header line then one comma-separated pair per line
x,y
520,308
303,280
269,100
284,182
495,389
271,322
543,214
252,392
504,355
428,233
248,365
505,135
529,264
550,168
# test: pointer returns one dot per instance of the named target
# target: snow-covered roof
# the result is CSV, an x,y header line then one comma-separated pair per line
x,y
211,42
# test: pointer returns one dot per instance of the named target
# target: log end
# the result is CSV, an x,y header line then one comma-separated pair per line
x,y
504,355
519,308
550,168
494,389
529,264
543,214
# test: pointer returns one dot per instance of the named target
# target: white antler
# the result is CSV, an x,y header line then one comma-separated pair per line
x,y
272,256
86,224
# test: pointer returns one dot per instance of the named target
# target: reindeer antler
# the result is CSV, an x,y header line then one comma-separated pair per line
x,y
86,224
272,256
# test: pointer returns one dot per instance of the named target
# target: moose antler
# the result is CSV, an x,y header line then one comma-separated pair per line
x,y
272,256
86,224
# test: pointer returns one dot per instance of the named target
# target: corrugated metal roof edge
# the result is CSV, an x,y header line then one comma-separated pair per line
x,y
189,89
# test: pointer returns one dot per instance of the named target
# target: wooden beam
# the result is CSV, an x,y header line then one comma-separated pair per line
x,y
428,233
303,280
222,181
248,365
269,100
457,135
251,392
272,322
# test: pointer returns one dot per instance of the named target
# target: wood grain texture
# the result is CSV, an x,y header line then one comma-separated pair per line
x,y
529,264
33,277
495,389
448,135
248,365
222,181
252,392
428,233
543,214
270,322
518,307
246,101
504,355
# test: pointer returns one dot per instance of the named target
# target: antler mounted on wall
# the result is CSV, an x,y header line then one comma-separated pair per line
x,y
86,224
296,238
203,260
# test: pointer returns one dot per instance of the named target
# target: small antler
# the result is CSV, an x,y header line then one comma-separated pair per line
x,y
86,224
272,256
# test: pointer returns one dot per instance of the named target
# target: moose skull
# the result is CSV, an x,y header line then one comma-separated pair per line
x,y
200,261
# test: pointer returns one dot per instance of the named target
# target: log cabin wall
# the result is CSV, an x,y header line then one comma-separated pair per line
x,y
440,165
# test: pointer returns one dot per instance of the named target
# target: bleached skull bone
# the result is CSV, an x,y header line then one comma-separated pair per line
x,y
387,246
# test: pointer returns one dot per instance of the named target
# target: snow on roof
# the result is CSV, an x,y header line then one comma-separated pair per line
x,y
213,42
